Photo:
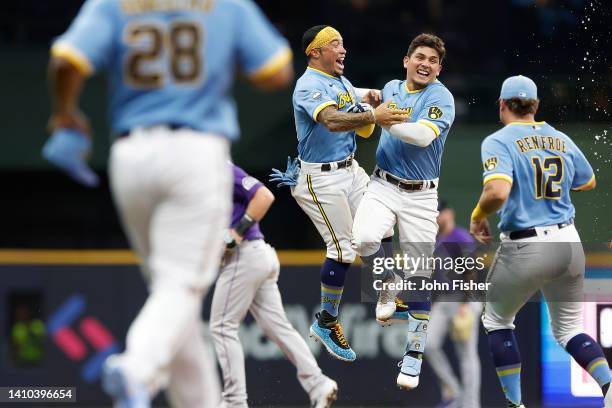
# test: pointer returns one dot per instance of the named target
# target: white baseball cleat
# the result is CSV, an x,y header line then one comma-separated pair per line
x,y
325,394
608,398
407,382
114,383
385,306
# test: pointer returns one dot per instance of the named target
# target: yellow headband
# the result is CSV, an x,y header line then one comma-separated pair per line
x,y
323,37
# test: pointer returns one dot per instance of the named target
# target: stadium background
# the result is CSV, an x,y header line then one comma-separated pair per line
x,y
563,45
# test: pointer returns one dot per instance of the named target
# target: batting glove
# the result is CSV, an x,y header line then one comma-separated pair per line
x,y
289,176
67,149
360,107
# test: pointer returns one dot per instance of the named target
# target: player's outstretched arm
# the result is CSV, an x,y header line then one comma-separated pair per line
x,y
337,121
413,133
65,85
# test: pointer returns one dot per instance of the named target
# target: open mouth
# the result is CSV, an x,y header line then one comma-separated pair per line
x,y
340,63
423,72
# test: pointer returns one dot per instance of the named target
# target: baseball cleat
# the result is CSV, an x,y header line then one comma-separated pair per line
x,y
608,398
510,404
399,316
115,385
325,394
410,369
385,306
333,339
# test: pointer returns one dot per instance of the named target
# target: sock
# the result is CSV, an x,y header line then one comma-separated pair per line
x,y
589,355
368,262
507,360
333,274
418,310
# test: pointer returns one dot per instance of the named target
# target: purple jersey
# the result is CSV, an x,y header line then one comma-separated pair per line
x,y
458,243
245,188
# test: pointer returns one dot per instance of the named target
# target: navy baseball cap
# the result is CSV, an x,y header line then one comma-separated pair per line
x,y
519,87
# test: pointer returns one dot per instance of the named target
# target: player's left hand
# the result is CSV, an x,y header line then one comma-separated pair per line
x,y
373,97
68,149
481,230
289,176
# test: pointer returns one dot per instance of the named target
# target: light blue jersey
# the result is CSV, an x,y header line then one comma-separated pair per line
x,y
432,106
543,165
314,91
173,62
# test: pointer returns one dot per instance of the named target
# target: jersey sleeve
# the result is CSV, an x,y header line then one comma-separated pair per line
x,y
262,51
88,42
438,112
245,186
496,161
312,97
583,172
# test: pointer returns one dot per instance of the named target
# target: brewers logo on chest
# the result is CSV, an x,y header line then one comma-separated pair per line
x,y
344,98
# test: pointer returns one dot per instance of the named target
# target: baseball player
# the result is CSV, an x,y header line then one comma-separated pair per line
x,y
170,66
529,170
248,282
452,313
403,189
331,182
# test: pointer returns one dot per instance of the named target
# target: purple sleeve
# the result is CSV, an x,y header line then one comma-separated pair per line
x,y
245,186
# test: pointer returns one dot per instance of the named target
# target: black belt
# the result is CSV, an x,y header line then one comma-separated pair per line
x,y
171,126
341,164
402,184
531,232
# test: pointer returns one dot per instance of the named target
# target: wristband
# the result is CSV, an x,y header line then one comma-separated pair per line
x,y
244,224
478,214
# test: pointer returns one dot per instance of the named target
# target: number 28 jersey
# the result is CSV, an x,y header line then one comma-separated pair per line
x,y
173,61
543,165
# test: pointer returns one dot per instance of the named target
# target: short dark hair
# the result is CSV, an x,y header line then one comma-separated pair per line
x,y
310,35
428,40
522,106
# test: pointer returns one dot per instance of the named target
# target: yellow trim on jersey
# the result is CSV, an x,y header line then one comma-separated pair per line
x,y
412,92
585,185
316,201
273,64
330,290
503,373
321,107
430,125
72,55
324,73
526,123
497,176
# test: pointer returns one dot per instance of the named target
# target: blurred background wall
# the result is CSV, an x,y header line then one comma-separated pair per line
x,y
563,45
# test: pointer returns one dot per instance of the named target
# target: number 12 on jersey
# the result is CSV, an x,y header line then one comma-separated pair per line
x,y
548,174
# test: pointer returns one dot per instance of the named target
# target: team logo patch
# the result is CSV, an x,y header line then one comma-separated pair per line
x,y
316,95
435,113
490,163
248,182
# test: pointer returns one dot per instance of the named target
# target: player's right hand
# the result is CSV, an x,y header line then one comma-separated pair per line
x,y
481,230
387,116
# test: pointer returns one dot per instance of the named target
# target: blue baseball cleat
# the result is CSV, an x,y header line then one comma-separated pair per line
x,y
115,385
333,339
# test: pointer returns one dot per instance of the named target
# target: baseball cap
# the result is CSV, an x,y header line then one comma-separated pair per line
x,y
518,87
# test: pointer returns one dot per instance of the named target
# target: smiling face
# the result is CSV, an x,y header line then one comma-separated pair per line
x,y
329,58
422,67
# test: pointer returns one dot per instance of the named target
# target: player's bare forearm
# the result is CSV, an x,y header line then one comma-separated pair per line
x,y
65,85
494,195
260,203
337,121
